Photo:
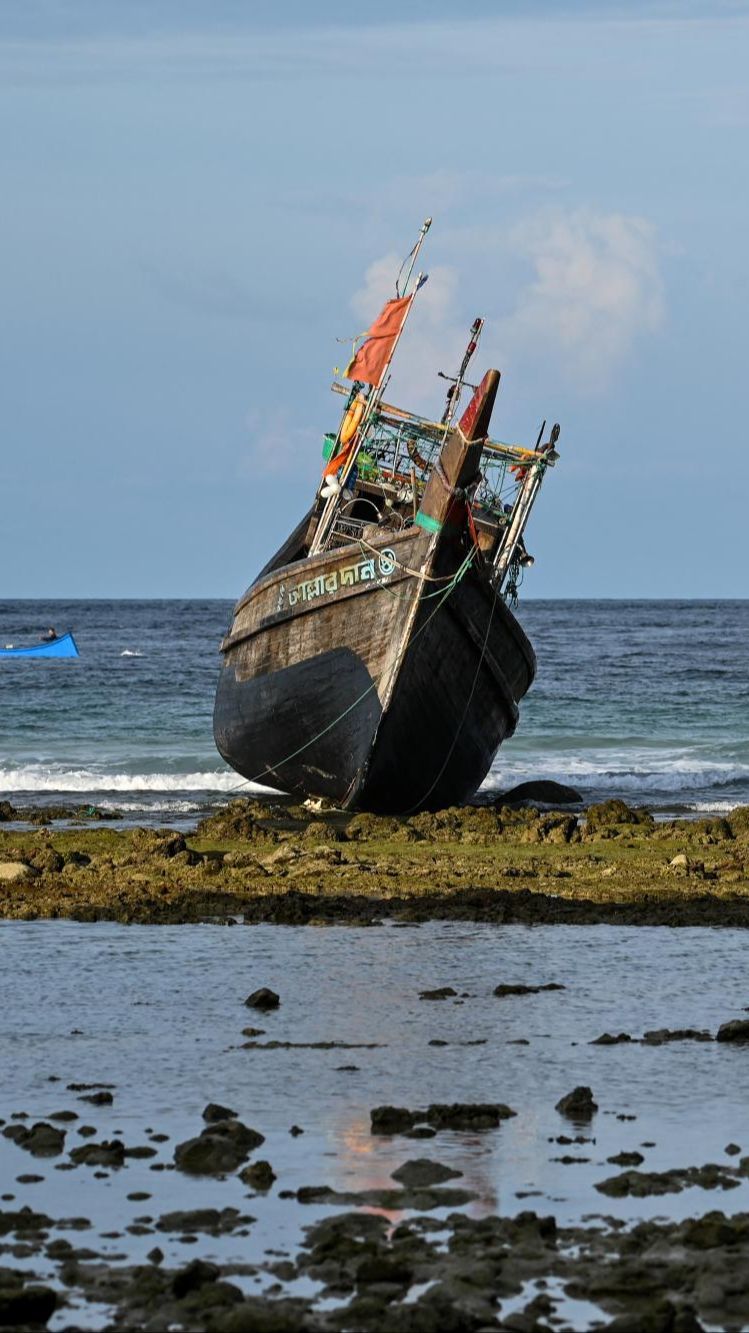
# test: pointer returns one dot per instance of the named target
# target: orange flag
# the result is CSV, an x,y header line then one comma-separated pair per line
x,y
369,362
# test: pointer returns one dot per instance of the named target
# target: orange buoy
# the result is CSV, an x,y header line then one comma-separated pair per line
x,y
352,419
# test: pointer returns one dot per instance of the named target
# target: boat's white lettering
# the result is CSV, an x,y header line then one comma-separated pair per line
x,y
364,571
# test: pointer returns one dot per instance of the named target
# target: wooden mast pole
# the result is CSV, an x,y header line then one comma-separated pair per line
x,y
373,402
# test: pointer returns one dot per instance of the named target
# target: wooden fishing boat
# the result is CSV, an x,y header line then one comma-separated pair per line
x,y
375,660
64,645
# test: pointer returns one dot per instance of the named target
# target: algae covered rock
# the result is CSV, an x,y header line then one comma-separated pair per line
x,y
319,830
609,814
238,821
373,828
47,860
162,843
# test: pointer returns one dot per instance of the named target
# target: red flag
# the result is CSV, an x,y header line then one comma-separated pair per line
x,y
369,362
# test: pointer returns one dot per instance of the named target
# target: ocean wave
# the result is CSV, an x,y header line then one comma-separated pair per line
x,y
711,807
46,778
638,771
130,652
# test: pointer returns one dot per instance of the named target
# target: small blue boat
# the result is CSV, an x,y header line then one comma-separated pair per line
x,y
63,646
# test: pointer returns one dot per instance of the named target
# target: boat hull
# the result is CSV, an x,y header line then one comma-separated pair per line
x,y
63,646
389,694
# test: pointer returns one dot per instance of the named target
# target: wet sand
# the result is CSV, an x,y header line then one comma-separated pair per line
x,y
278,863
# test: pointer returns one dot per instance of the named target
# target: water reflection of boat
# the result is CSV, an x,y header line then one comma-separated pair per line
x,y
64,645
375,660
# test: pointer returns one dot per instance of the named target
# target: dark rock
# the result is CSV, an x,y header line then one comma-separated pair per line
x,y
467,1115
23,1306
210,1220
220,1149
296,1130
88,1087
442,993
194,1276
383,1269
548,793
736,1030
608,1039
263,999
732,1149
508,989
155,1256
578,1104
314,1193
259,1176
626,1159
713,1230
440,1115
392,1119
41,1139
108,1153
214,1112
661,1036
421,1173
98,1098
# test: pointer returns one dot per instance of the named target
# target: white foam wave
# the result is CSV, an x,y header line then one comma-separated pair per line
x,y
130,652
711,807
49,778
637,770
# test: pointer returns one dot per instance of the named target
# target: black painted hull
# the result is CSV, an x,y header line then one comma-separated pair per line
x,y
324,725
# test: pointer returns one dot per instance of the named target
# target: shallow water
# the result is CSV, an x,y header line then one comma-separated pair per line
x,y
158,1011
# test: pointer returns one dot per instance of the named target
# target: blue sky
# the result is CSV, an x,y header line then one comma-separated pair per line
x,y
199,199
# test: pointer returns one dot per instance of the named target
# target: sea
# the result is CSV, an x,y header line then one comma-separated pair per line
x,y
645,700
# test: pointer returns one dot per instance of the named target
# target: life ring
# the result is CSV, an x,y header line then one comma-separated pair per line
x,y
352,419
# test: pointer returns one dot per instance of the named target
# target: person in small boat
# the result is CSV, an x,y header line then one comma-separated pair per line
x,y
49,635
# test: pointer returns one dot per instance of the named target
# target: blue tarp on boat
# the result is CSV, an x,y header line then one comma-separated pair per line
x,y
63,646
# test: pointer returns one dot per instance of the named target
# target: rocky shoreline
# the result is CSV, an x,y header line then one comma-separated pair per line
x,y
258,861
420,1244
386,1262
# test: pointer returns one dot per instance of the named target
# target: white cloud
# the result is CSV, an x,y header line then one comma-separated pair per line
x,y
279,447
593,291
597,289
433,339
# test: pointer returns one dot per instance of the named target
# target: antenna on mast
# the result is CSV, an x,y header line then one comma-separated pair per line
x,y
457,381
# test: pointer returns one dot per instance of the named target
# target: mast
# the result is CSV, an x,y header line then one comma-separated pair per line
x,y
373,402
457,381
522,508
